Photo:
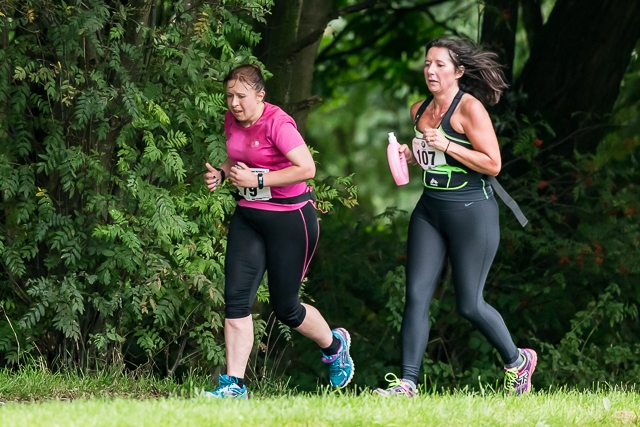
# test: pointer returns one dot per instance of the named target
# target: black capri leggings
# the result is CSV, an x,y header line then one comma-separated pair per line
x,y
282,243
468,233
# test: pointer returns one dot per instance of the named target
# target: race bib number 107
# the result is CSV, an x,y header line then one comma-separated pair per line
x,y
427,157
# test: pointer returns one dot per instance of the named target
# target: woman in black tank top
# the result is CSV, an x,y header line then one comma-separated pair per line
x,y
456,218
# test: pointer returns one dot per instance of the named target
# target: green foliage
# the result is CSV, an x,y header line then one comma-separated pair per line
x,y
112,248
350,132
382,45
586,235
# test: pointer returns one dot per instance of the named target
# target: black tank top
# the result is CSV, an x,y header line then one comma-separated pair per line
x,y
453,181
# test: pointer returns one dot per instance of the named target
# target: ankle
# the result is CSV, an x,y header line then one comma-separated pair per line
x,y
411,384
237,380
516,363
334,348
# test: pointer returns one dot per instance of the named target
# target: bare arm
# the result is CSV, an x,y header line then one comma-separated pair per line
x,y
476,125
301,169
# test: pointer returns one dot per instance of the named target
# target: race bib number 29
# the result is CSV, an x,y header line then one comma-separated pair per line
x,y
427,157
255,193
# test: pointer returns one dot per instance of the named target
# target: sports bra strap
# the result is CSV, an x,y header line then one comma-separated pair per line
x,y
421,109
426,102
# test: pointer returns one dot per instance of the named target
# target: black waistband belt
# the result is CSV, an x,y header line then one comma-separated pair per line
x,y
284,200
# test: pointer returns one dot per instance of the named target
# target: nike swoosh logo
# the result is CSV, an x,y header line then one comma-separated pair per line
x,y
469,204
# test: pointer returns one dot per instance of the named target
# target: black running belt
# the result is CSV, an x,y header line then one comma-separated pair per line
x,y
308,195
504,196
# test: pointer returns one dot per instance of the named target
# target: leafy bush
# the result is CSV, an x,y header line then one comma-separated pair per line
x,y
111,246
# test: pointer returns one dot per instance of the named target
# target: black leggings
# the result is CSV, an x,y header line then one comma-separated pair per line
x,y
282,243
468,234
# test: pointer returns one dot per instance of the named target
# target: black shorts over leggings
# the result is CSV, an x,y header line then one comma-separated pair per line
x,y
282,243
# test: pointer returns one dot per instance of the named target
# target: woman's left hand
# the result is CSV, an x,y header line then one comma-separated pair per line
x,y
241,176
435,139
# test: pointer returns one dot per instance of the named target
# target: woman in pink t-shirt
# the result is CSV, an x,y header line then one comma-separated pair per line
x,y
274,229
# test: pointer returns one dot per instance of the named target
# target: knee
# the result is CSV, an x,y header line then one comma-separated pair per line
x,y
238,324
233,311
290,315
470,312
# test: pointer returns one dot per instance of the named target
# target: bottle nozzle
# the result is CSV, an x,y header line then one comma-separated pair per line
x,y
392,137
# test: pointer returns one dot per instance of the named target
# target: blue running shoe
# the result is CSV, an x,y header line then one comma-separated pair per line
x,y
340,364
228,389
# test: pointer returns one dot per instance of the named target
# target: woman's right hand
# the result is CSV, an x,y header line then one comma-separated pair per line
x,y
408,154
212,178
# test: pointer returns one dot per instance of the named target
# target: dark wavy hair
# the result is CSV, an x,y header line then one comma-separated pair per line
x,y
249,74
483,76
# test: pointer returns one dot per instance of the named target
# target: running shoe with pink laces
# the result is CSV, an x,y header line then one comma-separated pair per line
x,y
341,367
518,379
397,387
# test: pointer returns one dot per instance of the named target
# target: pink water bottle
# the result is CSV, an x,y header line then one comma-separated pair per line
x,y
397,162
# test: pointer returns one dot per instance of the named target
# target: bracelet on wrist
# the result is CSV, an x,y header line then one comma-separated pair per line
x,y
445,150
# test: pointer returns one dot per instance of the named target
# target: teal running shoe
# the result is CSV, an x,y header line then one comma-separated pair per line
x,y
397,387
517,380
228,389
340,364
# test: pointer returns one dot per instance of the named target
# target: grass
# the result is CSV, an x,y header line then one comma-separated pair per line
x,y
39,398
34,384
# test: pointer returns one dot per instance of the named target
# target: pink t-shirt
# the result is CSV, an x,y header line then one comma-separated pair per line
x,y
264,145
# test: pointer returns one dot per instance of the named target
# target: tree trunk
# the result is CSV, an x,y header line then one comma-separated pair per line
x,y
576,66
499,22
531,19
289,49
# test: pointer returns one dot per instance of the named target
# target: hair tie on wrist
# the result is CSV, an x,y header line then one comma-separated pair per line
x,y
222,174
445,150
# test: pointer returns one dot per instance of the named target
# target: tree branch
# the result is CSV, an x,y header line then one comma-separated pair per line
x,y
424,7
315,35
183,344
305,104
368,4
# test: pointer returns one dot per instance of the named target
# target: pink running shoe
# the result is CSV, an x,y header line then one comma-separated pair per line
x,y
518,379
397,387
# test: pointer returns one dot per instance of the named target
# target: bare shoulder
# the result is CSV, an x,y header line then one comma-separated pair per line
x,y
472,114
414,108
471,106
472,111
